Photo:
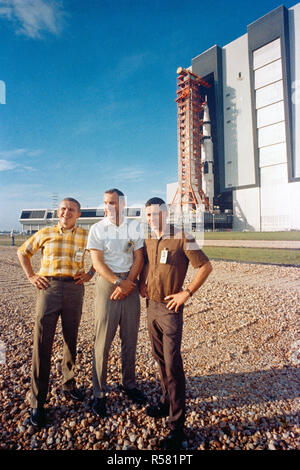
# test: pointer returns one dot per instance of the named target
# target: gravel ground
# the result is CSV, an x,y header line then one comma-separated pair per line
x,y
241,352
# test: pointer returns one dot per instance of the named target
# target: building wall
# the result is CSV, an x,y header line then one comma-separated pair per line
x,y
276,69
294,33
246,203
271,135
279,200
238,134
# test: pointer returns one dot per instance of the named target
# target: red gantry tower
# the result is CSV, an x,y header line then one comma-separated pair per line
x,y
189,195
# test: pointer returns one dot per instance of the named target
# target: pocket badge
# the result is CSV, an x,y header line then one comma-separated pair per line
x,y
79,256
129,247
164,256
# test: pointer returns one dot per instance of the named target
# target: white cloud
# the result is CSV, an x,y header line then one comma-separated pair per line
x,y
128,174
6,165
32,17
34,153
7,158
12,153
130,64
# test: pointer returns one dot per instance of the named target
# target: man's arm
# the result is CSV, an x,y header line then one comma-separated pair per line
x,y
40,282
143,280
126,286
137,265
175,300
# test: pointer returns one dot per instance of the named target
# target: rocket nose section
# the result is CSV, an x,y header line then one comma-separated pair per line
x,y
206,116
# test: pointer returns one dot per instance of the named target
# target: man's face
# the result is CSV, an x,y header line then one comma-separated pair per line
x,y
113,205
68,212
156,217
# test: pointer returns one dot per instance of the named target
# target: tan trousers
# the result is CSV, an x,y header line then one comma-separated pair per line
x,y
109,314
60,299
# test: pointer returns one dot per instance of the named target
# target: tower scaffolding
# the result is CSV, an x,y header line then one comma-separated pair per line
x,y
189,195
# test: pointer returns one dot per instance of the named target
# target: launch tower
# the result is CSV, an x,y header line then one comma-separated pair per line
x,y
190,195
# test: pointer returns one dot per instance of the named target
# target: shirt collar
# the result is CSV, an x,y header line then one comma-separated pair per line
x,y
109,222
168,234
63,230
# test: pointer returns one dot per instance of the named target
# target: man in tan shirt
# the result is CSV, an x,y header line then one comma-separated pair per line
x,y
168,252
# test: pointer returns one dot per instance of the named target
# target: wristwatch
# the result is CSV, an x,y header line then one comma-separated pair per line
x,y
118,282
189,292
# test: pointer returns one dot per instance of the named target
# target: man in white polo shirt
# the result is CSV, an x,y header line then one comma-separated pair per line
x,y
116,247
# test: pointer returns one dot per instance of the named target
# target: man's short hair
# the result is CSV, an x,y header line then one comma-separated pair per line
x,y
156,201
71,199
114,190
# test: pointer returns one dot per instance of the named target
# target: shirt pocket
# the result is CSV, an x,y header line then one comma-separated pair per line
x,y
114,247
172,258
50,248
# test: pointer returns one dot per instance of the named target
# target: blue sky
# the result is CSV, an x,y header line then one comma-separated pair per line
x,y
90,90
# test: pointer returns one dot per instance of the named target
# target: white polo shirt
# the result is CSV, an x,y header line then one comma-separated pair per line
x,y
117,242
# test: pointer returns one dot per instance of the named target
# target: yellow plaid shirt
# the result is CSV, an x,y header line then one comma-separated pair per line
x,y
62,250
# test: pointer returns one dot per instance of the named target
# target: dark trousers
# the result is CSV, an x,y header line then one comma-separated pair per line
x,y
60,299
165,330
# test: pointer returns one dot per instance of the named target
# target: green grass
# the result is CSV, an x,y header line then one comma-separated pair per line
x,y
258,255
252,236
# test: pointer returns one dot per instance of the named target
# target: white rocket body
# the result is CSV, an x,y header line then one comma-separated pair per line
x,y
207,154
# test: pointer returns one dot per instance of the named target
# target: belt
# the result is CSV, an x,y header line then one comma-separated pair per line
x,y
122,275
61,278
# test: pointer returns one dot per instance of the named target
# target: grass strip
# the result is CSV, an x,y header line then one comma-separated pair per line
x,y
285,236
257,255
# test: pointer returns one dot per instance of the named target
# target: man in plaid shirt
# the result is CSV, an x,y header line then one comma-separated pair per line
x,y
60,292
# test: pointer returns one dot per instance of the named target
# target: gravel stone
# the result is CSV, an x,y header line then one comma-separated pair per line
x,y
240,349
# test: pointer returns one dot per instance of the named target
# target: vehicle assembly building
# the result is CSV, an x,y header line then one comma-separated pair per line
x,y
239,127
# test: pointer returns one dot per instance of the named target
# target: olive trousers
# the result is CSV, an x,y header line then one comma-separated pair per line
x,y
62,299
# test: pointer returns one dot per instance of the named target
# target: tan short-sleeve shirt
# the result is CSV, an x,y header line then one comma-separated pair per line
x,y
167,278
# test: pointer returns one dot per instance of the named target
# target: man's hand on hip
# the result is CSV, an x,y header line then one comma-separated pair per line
x,y
40,282
176,300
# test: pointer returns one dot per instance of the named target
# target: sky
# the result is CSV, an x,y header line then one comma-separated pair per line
x,y
87,94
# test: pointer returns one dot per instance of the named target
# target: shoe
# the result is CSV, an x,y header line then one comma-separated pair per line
x,y
38,417
174,440
99,407
74,394
159,411
135,395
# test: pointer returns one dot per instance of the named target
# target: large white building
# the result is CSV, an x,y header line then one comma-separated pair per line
x,y
33,220
254,105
